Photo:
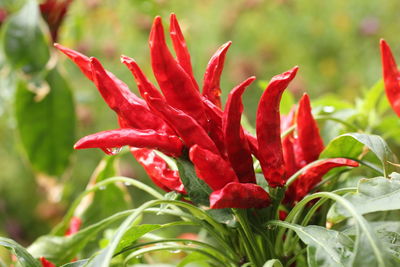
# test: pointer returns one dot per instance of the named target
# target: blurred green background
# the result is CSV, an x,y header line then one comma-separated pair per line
x,y
335,44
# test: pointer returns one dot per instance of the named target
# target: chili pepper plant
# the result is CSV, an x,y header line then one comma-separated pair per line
x,y
314,187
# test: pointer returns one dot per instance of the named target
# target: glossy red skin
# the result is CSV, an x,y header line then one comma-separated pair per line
x,y
158,170
187,127
391,77
236,143
212,168
268,129
309,138
313,175
240,196
180,47
212,76
173,80
168,144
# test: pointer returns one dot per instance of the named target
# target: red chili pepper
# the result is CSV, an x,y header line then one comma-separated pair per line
x,y
106,140
236,143
53,12
144,85
158,170
313,175
125,103
240,196
309,138
82,61
46,263
212,168
268,129
180,47
74,226
187,127
212,76
391,77
174,82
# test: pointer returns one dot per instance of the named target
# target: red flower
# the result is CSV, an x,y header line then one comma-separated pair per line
x,y
180,118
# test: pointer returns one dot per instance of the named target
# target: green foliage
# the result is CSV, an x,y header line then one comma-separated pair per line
x,y
48,142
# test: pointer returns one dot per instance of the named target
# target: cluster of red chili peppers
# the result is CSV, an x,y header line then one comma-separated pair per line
x,y
181,120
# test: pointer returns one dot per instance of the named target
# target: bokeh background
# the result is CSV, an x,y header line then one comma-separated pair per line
x,y
335,43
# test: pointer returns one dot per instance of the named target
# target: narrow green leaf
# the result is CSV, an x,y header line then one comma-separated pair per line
x,y
372,195
24,257
196,188
79,263
273,263
24,42
46,126
134,233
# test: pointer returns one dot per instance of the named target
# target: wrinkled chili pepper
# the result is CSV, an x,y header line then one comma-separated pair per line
x,y
212,168
313,175
268,129
187,127
158,170
53,12
174,82
125,103
391,77
240,196
106,140
212,76
236,143
180,47
309,138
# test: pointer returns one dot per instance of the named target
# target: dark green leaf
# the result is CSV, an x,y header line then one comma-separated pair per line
x,y
24,258
46,126
25,45
134,233
196,188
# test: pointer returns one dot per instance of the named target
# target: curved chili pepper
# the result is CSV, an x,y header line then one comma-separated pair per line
x,y
240,196
268,129
313,175
187,128
124,102
180,47
235,141
391,77
309,138
143,84
82,61
212,76
168,144
174,82
46,263
74,226
212,168
158,170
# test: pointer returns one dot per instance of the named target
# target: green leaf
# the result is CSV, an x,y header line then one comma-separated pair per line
x,y
79,263
376,194
344,146
110,199
273,263
325,247
24,258
24,42
196,188
134,233
194,259
46,126
61,249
